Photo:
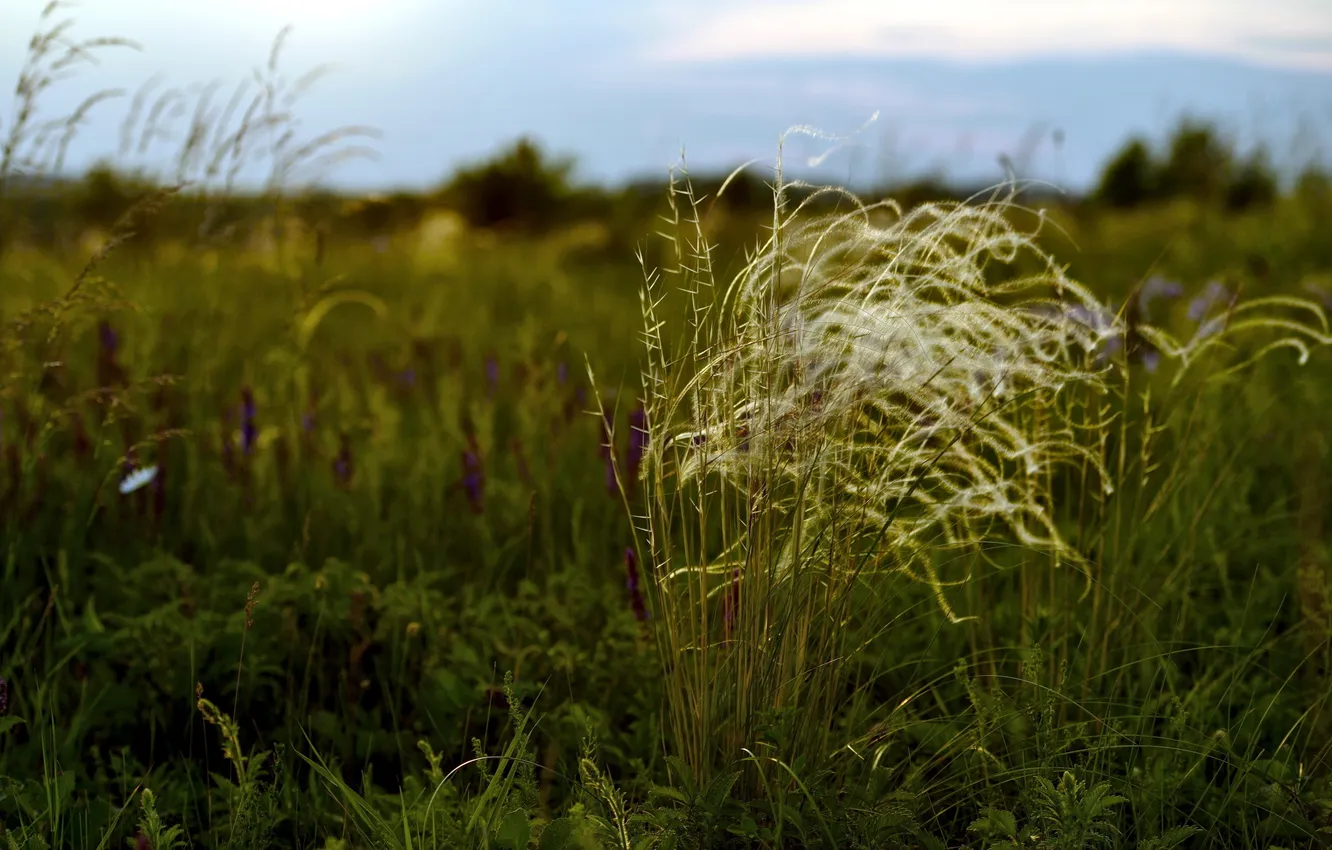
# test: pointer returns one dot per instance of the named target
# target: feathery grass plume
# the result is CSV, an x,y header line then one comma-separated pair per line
x,y
1299,324
51,55
853,406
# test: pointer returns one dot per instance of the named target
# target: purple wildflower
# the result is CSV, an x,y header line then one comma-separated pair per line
x,y
107,337
492,375
4,696
1109,339
474,477
141,842
636,600
249,432
1154,289
108,370
562,373
1203,303
342,464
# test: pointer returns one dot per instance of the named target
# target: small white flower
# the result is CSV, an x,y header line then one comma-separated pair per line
x,y
137,479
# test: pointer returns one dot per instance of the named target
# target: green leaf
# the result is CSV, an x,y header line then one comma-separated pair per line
x,y
558,835
7,723
995,822
515,831
748,827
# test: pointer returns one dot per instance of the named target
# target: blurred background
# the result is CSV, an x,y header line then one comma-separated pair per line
x,y
963,90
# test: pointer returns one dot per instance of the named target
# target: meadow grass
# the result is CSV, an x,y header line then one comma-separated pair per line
x,y
896,533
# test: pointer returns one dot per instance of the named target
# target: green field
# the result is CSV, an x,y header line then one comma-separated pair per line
x,y
443,540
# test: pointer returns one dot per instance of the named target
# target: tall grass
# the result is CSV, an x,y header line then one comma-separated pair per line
x,y
877,394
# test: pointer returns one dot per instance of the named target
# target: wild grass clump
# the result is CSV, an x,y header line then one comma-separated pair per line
x,y
878,395
848,407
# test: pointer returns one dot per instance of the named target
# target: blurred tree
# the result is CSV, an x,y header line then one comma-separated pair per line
x,y
521,188
378,215
1199,164
103,197
1314,187
1254,183
1130,179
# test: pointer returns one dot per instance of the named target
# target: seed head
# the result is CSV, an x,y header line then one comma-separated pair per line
x,y
251,599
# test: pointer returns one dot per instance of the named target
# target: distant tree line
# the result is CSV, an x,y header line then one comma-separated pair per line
x,y
524,190
1197,163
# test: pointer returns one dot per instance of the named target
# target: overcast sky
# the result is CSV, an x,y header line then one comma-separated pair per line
x,y
623,84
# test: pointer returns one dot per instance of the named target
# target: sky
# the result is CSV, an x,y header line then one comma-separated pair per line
x,y
624,86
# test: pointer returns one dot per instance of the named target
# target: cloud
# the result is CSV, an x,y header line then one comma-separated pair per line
x,y
1283,33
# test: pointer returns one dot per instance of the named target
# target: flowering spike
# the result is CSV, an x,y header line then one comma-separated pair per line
x,y
249,431
474,477
342,464
636,600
